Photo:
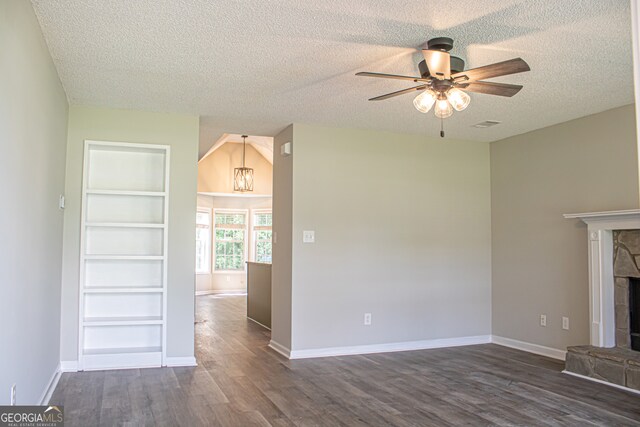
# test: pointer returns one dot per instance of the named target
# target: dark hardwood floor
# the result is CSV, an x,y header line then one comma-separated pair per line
x,y
241,382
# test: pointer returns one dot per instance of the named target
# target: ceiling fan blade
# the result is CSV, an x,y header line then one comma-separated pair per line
x,y
391,76
500,89
512,66
400,92
438,63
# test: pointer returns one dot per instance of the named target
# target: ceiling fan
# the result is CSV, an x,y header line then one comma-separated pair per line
x,y
443,80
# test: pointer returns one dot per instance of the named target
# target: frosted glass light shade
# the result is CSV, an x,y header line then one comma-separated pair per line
x,y
425,100
458,99
443,109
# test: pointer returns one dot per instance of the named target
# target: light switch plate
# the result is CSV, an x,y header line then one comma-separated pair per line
x,y
308,236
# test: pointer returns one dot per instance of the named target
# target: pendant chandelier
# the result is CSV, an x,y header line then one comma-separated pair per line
x,y
243,177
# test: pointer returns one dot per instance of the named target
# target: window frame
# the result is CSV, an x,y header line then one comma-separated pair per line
x,y
254,234
210,246
245,254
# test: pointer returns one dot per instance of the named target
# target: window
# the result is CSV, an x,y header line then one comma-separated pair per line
x,y
203,241
262,222
230,230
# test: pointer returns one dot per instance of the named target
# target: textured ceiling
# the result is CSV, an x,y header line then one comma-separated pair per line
x,y
255,66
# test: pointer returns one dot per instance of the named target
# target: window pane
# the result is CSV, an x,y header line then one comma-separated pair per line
x,y
220,262
219,248
263,219
230,239
238,248
228,250
264,235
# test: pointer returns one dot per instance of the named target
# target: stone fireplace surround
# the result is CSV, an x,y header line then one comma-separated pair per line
x,y
614,257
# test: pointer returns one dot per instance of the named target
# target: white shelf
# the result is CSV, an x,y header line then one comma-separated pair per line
x,y
128,193
122,321
121,290
125,224
124,257
123,272
122,350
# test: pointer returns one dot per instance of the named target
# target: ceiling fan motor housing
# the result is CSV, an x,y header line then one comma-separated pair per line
x,y
457,66
440,43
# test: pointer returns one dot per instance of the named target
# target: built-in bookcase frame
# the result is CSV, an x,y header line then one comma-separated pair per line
x,y
134,332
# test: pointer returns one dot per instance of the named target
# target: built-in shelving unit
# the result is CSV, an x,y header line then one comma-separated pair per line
x,y
123,259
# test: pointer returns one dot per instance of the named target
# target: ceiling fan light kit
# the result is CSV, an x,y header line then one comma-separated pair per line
x,y
444,81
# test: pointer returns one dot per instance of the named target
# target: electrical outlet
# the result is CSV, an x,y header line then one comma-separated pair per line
x,y
13,395
543,320
367,319
565,323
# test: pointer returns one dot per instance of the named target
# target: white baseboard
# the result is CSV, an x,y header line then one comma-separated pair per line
x,y
279,348
226,291
554,353
391,347
180,361
621,387
69,366
51,386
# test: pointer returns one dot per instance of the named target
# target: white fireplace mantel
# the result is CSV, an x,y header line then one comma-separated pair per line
x,y
600,226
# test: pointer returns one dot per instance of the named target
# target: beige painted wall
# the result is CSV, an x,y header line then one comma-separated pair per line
x,y
181,133
402,229
282,243
215,172
33,135
539,259
216,281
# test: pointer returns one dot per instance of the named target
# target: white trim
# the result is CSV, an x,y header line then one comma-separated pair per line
x,y
390,347
69,366
51,386
635,38
255,321
601,284
173,361
279,348
605,215
235,292
554,353
620,387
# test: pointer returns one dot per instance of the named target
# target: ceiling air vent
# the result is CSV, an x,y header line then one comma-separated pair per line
x,y
486,124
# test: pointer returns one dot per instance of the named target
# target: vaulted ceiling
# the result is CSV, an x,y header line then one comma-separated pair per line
x,y
254,66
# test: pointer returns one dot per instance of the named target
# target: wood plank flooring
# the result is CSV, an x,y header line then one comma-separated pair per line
x,y
241,382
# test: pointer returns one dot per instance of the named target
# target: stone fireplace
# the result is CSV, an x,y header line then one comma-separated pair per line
x,y
614,295
626,258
